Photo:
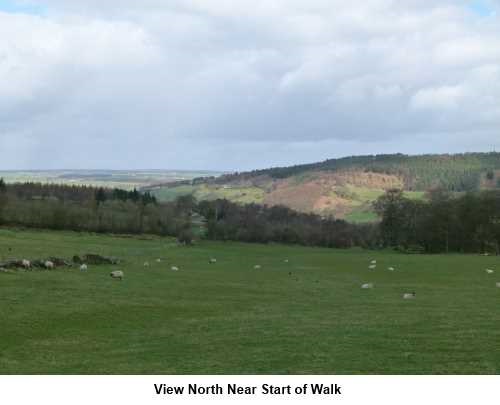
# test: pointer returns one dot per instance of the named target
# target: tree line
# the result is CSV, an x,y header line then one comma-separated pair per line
x,y
444,222
469,223
85,208
262,224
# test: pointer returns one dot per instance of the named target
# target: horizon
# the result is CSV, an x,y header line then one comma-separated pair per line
x,y
145,170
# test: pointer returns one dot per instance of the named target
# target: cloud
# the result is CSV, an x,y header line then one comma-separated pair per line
x,y
186,83
437,98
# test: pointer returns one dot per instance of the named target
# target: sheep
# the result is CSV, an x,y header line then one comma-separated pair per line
x,y
257,267
146,264
373,262
409,296
489,271
498,285
26,264
367,285
48,265
391,269
83,267
212,261
158,260
286,260
118,274
372,266
174,268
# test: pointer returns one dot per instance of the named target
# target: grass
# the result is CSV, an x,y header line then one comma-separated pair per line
x,y
171,193
242,195
227,318
361,216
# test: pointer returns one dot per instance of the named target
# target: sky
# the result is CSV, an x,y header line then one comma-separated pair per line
x,y
239,85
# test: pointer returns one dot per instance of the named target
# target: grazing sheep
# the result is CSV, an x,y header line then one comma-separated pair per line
x,y
158,260
257,267
174,268
367,285
212,260
83,267
372,266
409,296
146,264
286,260
391,269
26,264
118,274
48,265
373,262
489,271
498,285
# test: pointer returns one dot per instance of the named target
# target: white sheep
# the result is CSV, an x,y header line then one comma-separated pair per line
x,y
489,271
146,264
257,267
49,265
158,260
174,268
391,269
26,264
372,266
373,262
367,285
409,296
212,260
498,285
286,260
83,267
118,274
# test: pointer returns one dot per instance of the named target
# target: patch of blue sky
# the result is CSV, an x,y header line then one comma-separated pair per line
x,y
21,7
482,8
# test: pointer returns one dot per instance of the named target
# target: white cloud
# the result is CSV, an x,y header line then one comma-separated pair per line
x,y
154,78
437,98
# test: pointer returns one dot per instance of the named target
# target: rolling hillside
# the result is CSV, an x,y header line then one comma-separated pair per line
x,y
345,187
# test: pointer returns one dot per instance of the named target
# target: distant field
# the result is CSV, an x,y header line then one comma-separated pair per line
x,y
352,203
306,316
243,195
125,179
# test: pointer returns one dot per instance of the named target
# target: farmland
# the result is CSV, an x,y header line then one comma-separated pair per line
x,y
124,179
308,315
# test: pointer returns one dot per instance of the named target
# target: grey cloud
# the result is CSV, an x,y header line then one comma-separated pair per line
x,y
226,85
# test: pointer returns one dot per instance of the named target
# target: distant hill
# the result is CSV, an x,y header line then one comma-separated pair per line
x,y
345,187
125,179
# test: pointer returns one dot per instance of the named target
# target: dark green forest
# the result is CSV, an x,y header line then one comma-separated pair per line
x,y
469,223
83,208
444,222
454,172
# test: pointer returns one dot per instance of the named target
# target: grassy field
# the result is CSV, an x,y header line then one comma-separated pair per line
x,y
306,316
242,195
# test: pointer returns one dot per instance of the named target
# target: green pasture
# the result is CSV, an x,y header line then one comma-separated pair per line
x,y
305,316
